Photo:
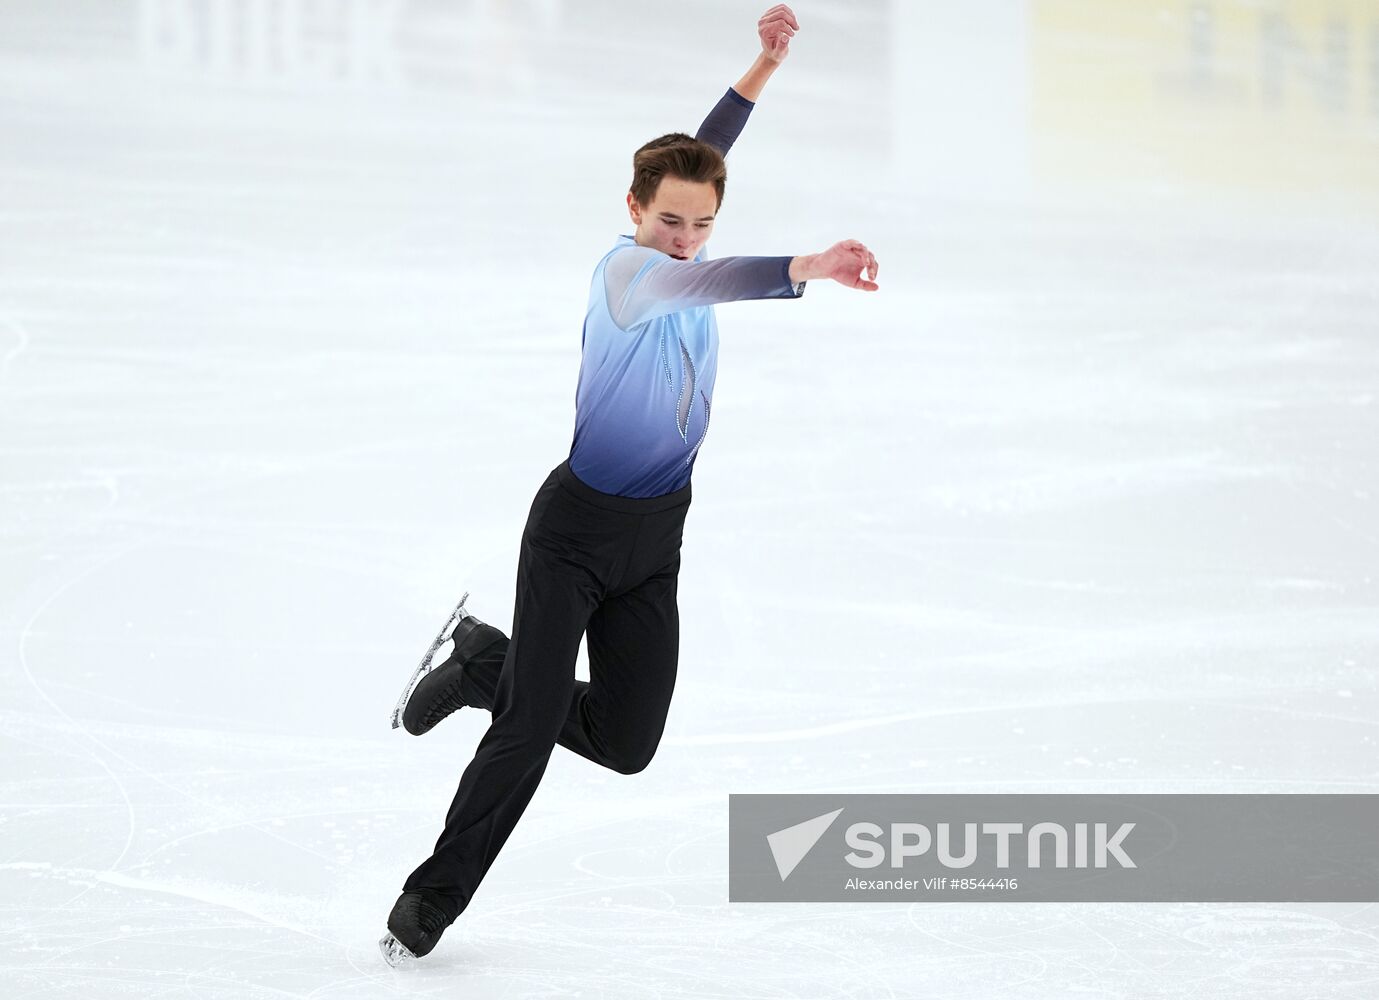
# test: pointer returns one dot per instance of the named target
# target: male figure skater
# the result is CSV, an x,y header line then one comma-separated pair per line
x,y
601,550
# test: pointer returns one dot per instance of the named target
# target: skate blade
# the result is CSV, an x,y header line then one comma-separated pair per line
x,y
395,953
421,672
446,631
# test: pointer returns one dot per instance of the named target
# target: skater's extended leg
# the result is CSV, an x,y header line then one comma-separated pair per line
x,y
587,561
531,702
567,558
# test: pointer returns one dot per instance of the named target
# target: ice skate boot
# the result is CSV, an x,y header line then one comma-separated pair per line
x,y
434,691
414,927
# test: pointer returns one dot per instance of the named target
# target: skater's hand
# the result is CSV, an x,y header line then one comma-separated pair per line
x,y
844,262
775,29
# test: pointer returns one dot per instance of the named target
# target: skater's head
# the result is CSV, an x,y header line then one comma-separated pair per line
x,y
677,189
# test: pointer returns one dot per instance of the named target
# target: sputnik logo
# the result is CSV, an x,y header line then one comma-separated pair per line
x,y
789,846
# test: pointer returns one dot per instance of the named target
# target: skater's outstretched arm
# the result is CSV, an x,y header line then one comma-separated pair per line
x,y
643,283
725,122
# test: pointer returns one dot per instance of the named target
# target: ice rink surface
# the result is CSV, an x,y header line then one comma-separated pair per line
x,y
1084,499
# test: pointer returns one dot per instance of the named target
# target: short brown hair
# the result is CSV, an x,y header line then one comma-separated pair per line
x,y
676,155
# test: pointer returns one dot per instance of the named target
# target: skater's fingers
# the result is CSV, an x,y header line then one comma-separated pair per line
x,y
840,254
778,26
782,10
774,19
857,266
865,258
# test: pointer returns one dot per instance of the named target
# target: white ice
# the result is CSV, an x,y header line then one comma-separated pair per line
x,y
1084,499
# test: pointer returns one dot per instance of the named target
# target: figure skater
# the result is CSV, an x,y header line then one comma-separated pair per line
x,y
600,553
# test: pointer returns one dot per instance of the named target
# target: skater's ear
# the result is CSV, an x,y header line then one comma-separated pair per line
x,y
634,209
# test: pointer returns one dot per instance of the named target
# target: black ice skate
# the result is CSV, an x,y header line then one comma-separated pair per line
x,y
414,927
434,692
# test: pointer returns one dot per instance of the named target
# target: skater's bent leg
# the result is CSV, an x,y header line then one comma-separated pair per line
x,y
634,643
479,679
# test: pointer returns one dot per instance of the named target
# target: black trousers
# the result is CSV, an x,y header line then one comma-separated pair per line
x,y
590,563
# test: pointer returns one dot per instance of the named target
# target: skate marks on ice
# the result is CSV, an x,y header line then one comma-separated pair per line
x,y
629,904
228,887
643,912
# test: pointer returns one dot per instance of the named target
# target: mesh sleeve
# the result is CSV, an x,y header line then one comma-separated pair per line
x,y
643,283
725,122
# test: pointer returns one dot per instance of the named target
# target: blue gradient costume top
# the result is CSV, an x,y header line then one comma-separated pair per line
x,y
650,349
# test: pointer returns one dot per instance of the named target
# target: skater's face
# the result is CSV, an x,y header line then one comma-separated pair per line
x,y
679,218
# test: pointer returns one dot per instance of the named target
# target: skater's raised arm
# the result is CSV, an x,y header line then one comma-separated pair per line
x,y
728,117
775,29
